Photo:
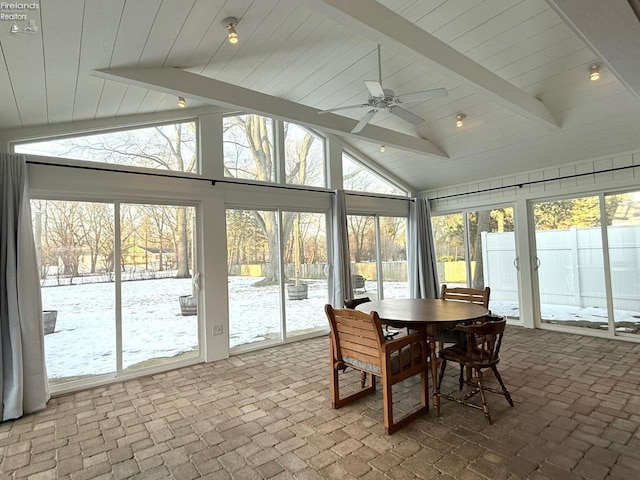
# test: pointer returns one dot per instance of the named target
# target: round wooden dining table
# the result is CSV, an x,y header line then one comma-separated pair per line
x,y
429,314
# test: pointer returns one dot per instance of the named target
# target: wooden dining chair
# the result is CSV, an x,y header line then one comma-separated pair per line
x,y
354,302
461,294
480,352
357,342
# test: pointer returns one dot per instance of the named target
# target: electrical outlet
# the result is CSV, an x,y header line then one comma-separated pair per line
x,y
217,330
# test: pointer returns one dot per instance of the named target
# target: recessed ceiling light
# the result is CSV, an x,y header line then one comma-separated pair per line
x,y
459,119
594,72
382,148
181,102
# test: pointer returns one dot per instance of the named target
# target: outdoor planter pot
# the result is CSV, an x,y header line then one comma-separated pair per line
x,y
297,292
188,305
49,318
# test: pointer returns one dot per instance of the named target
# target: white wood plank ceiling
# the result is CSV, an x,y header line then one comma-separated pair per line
x,y
518,70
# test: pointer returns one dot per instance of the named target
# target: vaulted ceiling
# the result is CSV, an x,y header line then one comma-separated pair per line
x,y
517,70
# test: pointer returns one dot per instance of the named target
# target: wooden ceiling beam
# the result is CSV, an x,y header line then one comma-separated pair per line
x,y
384,26
197,87
612,32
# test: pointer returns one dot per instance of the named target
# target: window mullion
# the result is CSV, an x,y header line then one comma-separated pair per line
x,y
279,151
117,255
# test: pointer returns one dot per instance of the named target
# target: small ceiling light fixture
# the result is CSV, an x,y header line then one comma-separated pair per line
x,y
594,72
230,24
459,118
382,148
182,102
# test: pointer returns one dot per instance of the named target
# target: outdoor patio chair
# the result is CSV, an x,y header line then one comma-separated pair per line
x,y
357,342
358,283
481,351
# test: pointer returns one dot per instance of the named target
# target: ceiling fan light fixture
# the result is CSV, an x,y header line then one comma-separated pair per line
x,y
230,24
594,72
181,102
385,99
459,119
382,148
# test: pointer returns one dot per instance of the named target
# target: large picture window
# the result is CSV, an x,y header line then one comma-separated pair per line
x,y
249,152
164,147
304,156
248,148
358,178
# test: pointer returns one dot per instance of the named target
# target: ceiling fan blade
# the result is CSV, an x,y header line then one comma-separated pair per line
x,y
424,95
407,115
363,121
375,88
348,107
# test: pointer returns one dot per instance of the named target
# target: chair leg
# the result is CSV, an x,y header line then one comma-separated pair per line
x,y
461,378
424,381
363,379
505,392
443,366
387,401
485,405
335,388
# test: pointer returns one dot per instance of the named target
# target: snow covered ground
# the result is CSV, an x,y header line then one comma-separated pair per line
x,y
153,327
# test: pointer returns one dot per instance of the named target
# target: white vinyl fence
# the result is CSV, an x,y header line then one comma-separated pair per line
x,y
571,268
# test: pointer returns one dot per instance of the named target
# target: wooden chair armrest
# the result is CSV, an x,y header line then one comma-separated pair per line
x,y
399,343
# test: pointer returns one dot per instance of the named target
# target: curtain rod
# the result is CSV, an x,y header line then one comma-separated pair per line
x,y
534,182
212,180
111,170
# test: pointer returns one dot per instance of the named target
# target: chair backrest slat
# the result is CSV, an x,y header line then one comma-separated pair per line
x,y
470,295
484,339
355,334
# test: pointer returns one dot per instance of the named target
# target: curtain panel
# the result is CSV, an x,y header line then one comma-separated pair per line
x,y
423,267
340,268
23,378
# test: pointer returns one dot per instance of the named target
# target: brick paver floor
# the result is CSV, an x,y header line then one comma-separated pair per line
x,y
266,414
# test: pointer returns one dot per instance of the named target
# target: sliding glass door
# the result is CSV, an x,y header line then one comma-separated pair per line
x,y
477,249
623,238
158,298
277,275
75,247
378,251
570,265
305,265
113,280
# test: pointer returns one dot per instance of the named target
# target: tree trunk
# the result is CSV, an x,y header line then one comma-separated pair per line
x,y
270,225
182,244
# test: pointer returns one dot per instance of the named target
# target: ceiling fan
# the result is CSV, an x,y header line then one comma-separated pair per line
x,y
385,99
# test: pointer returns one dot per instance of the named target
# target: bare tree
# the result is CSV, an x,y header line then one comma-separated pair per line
x,y
167,147
249,154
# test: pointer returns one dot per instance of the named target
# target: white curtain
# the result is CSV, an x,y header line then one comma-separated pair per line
x,y
341,269
23,378
423,268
